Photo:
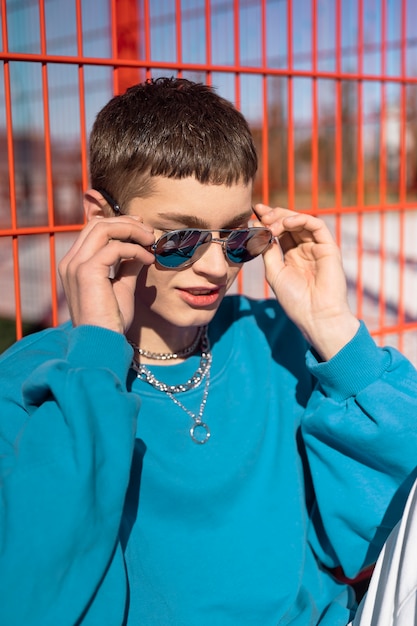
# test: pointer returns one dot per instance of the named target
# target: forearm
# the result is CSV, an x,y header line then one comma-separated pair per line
x,y
361,440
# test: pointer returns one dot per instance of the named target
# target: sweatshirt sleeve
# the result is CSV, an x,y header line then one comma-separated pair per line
x,y
360,433
63,479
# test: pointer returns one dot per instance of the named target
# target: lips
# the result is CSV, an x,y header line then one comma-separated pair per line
x,y
199,297
200,292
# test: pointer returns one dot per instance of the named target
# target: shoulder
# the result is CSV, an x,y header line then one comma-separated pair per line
x,y
17,363
23,356
257,322
267,314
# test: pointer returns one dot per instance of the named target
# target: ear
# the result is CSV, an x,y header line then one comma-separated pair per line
x,y
95,205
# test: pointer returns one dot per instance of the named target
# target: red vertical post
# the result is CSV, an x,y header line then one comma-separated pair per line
x,y
315,121
125,43
236,36
290,112
48,165
382,171
147,28
178,31
338,126
359,157
265,115
12,177
403,181
208,39
265,118
81,97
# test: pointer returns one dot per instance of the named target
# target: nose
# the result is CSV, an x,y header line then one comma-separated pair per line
x,y
214,261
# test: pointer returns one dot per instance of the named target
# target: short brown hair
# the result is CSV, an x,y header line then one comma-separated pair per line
x,y
169,127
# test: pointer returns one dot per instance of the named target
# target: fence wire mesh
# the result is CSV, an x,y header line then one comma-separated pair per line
x,y
329,88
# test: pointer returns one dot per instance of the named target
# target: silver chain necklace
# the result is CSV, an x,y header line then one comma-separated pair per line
x,y
168,356
199,431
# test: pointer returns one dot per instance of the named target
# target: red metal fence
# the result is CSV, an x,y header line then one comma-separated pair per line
x,y
328,86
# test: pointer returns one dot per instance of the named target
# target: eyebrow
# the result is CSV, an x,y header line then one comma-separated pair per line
x,y
191,221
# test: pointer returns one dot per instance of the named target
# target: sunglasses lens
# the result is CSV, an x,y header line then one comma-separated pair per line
x,y
245,245
178,248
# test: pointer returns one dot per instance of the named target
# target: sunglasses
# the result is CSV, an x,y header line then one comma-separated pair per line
x,y
181,248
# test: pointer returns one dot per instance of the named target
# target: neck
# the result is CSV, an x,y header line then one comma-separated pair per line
x,y
165,351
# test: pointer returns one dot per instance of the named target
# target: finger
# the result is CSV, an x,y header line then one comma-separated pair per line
x,y
302,226
97,234
268,215
105,230
110,228
273,218
307,228
99,264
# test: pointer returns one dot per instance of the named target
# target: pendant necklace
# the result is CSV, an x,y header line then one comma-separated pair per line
x,y
199,431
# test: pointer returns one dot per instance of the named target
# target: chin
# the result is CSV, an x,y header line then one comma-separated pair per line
x,y
192,317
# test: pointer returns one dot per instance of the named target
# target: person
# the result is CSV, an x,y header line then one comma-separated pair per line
x,y
173,455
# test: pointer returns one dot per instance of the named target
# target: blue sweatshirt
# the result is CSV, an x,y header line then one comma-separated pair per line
x,y
112,516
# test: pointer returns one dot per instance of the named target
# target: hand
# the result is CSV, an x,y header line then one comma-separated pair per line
x,y
306,275
106,243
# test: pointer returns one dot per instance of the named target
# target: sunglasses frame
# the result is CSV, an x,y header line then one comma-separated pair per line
x,y
222,242
110,200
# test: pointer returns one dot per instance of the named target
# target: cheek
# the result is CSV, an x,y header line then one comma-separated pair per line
x,y
142,279
152,280
232,275
147,286
151,276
